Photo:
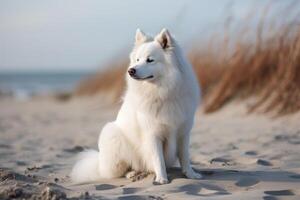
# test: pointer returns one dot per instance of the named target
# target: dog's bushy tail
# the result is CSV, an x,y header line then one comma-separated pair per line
x,y
86,168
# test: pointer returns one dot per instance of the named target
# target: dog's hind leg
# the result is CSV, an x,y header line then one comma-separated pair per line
x,y
113,152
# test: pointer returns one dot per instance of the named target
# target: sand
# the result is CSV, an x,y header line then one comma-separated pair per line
x,y
241,156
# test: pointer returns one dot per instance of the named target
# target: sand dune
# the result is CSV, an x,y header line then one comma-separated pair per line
x,y
241,156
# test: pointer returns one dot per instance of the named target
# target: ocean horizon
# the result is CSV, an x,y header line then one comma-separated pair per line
x,y
24,84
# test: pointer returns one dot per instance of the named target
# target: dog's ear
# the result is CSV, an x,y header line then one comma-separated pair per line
x,y
164,38
140,37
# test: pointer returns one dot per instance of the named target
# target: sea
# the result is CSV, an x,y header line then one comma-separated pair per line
x,y
23,85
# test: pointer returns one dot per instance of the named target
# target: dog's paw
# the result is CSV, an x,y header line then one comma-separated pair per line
x,y
160,181
136,176
193,175
131,174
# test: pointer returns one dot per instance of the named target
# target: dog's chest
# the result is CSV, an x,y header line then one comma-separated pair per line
x,y
164,112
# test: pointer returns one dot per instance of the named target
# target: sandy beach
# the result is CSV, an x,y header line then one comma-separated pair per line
x,y
241,156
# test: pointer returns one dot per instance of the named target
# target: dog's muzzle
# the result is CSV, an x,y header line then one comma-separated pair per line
x,y
132,73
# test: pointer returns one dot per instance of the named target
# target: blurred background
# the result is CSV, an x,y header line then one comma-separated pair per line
x,y
79,48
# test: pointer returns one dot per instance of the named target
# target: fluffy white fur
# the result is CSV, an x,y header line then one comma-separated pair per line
x,y
152,129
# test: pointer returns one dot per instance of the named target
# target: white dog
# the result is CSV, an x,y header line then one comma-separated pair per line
x,y
152,129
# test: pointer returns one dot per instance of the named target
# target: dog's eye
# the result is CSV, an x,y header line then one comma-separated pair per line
x,y
137,60
149,60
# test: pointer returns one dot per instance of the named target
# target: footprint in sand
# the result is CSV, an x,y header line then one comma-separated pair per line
x,y
140,197
246,182
297,176
203,189
263,162
280,192
207,172
270,198
105,187
21,163
251,153
75,149
291,139
131,190
5,146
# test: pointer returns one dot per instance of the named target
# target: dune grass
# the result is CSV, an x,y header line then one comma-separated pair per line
x,y
245,60
267,67
111,80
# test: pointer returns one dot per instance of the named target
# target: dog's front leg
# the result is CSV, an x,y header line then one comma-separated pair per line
x,y
158,161
183,155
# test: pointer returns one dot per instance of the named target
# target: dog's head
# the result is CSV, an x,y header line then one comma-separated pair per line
x,y
148,61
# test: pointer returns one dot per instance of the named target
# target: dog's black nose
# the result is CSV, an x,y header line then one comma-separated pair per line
x,y
131,71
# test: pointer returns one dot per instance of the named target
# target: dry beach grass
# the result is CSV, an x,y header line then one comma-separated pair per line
x,y
231,66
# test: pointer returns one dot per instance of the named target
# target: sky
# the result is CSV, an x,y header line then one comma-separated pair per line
x,y
84,34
